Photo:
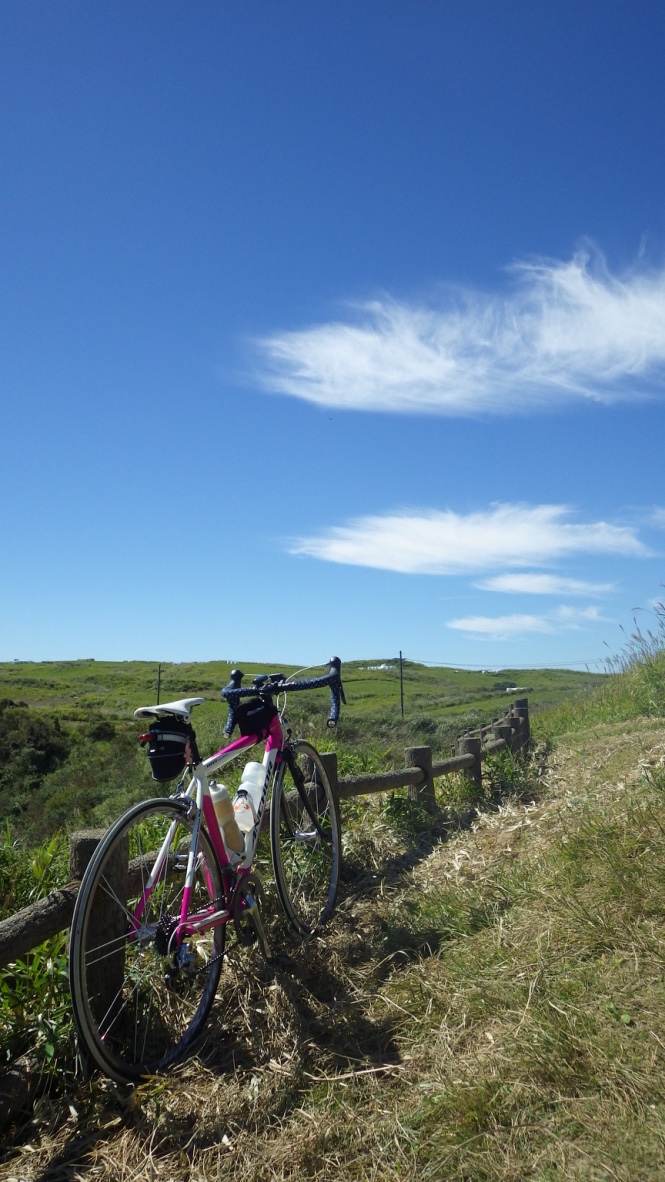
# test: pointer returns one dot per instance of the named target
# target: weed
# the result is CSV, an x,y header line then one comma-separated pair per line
x,y
27,874
508,774
407,817
35,1010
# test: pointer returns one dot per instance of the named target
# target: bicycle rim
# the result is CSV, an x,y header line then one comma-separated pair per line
x,y
305,839
140,1001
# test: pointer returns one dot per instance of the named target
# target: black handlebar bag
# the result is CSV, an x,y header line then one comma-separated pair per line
x,y
254,717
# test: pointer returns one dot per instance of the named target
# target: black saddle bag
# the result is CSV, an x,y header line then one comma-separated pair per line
x,y
166,742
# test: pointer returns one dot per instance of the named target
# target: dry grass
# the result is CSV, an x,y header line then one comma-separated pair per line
x,y
488,1008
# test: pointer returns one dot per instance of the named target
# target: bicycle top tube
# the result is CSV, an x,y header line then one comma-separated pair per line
x,y
268,684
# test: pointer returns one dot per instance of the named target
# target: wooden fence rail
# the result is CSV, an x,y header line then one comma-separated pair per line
x,y
39,921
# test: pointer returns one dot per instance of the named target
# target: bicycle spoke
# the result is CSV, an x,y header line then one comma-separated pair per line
x,y
140,995
305,838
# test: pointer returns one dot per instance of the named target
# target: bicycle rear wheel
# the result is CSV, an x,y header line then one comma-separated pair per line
x,y
305,838
139,1000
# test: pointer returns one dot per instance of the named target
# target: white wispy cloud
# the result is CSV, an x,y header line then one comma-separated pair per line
x,y
500,627
574,617
522,583
441,542
507,627
563,330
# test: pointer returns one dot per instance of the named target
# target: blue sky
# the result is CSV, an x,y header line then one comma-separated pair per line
x,y
331,327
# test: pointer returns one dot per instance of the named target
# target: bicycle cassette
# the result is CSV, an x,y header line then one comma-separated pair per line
x,y
164,932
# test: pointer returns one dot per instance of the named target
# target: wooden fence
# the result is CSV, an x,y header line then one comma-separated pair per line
x,y
39,921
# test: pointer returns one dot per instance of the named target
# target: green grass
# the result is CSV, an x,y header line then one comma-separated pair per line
x,y
35,1012
74,688
514,995
491,1017
633,687
69,756
541,1042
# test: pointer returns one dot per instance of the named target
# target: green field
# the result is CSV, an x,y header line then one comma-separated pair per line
x,y
69,755
76,688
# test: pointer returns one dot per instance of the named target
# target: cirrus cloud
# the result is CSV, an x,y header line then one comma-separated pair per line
x,y
507,627
564,330
442,542
501,627
522,583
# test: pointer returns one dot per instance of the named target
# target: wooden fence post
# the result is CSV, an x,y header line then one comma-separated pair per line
x,y
470,745
520,711
422,793
82,846
107,923
329,760
522,708
504,731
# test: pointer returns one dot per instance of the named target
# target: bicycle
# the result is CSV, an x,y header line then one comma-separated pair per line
x,y
148,935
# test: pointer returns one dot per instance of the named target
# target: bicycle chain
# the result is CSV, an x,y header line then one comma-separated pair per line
x,y
220,956
225,952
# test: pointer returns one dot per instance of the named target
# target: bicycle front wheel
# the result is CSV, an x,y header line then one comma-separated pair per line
x,y
305,838
140,994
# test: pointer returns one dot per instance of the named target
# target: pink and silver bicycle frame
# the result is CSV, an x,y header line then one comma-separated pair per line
x,y
241,864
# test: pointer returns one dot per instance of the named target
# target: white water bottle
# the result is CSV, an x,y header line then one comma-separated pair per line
x,y
224,811
248,796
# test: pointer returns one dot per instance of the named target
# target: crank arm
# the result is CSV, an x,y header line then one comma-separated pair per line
x,y
252,910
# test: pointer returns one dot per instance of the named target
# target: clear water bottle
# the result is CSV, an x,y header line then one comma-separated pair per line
x,y
224,811
248,796
244,813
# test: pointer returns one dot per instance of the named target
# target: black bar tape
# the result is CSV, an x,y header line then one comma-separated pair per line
x,y
233,693
335,704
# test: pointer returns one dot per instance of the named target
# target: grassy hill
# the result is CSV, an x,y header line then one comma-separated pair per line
x,y
489,1006
78,689
69,756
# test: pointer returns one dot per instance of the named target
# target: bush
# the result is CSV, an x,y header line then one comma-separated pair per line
x,y
32,745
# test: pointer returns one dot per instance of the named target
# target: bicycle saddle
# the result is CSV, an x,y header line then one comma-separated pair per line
x,y
183,708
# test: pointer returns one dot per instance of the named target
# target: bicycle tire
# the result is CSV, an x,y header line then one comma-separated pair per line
x,y
305,838
138,1004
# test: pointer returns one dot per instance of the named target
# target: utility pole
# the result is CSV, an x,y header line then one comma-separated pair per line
x,y
401,685
159,682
